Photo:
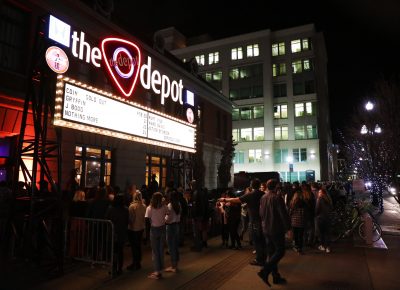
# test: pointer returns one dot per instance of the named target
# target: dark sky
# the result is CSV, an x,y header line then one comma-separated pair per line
x,y
361,35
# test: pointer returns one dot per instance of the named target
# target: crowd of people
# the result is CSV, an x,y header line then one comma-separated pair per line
x,y
275,212
268,213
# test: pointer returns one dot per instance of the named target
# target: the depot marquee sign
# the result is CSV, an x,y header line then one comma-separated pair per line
x,y
84,107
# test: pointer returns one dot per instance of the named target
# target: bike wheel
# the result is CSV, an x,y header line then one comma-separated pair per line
x,y
376,231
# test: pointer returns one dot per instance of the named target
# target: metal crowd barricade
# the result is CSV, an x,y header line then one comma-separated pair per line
x,y
90,240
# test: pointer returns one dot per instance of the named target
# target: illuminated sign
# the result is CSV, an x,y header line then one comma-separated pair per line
x,y
122,59
59,31
83,107
57,60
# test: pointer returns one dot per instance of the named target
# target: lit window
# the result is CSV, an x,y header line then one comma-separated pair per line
x,y
299,110
200,59
258,112
299,132
92,165
255,155
280,155
299,154
296,67
307,64
246,134
311,131
309,108
281,132
278,69
237,53
259,134
305,44
235,134
234,74
280,111
253,50
217,76
213,57
245,113
208,77
239,157
298,45
235,114
278,49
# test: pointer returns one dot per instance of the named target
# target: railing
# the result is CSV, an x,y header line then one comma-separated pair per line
x,y
90,240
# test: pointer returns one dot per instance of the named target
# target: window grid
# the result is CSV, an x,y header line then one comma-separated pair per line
x,y
200,59
299,154
281,132
278,69
278,49
237,53
253,50
213,58
280,111
255,156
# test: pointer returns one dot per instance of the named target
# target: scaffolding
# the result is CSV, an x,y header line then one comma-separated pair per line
x,y
41,226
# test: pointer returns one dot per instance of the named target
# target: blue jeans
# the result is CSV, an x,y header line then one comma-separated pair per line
x,y
173,243
157,238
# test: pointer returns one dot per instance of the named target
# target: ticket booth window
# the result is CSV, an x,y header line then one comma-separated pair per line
x,y
92,165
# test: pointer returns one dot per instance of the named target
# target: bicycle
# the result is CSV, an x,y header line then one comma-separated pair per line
x,y
343,226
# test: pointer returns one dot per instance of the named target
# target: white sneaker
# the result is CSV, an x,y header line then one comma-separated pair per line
x,y
328,250
321,248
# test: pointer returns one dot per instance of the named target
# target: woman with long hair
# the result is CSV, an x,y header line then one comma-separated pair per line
x,y
322,211
172,220
137,210
156,213
297,220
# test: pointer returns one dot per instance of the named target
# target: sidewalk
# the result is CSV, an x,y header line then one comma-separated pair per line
x,y
346,268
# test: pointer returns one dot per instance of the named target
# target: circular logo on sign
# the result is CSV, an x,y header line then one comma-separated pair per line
x,y
123,62
190,115
57,60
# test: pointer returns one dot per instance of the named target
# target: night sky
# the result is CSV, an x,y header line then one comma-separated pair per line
x,y
361,35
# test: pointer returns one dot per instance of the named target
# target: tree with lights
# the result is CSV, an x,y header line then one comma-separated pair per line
x,y
372,139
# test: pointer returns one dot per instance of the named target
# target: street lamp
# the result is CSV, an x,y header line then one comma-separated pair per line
x,y
369,106
289,159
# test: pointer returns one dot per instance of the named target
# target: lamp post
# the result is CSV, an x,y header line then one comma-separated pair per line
x,y
371,130
289,159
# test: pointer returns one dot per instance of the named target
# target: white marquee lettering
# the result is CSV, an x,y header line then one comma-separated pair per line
x,y
149,78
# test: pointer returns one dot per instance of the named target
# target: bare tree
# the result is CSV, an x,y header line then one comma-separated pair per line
x,y
371,141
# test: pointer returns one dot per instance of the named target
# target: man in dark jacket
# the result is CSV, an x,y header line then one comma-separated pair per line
x,y
199,213
275,223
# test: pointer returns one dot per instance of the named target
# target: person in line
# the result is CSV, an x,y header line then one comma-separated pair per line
x,y
275,224
184,216
119,216
244,216
137,210
297,220
233,219
172,220
253,202
221,206
77,238
156,213
199,208
322,212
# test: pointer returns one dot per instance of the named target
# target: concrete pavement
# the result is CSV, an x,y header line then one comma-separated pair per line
x,y
348,267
